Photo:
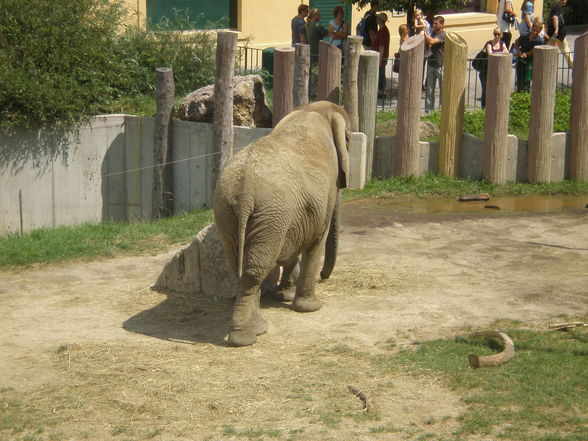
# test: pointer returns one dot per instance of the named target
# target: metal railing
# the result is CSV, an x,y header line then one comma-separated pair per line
x,y
249,60
473,91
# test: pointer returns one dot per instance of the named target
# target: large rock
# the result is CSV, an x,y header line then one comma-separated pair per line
x,y
200,267
250,107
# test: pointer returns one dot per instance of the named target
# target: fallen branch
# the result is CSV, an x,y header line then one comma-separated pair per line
x,y
506,355
473,197
367,401
562,326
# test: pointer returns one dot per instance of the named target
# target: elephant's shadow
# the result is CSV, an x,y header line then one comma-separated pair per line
x,y
189,318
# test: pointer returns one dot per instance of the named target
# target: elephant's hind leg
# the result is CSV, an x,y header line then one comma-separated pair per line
x,y
247,322
305,299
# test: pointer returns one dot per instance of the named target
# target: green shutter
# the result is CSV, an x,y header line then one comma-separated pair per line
x,y
220,13
326,8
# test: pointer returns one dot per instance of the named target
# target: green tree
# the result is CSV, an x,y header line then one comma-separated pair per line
x,y
429,7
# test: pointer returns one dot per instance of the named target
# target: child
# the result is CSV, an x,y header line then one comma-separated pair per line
x,y
421,25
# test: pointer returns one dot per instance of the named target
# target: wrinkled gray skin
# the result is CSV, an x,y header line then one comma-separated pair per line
x,y
274,201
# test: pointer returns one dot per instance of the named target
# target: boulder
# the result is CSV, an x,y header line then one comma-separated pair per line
x,y
200,267
250,108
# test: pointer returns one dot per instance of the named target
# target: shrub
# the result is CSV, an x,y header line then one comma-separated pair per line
x,y
62,62
170,43
56,59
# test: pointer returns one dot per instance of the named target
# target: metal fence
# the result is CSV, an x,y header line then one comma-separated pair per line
x,y
251,60
473,92
248,60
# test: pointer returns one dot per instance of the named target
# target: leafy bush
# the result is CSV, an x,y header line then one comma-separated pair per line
x,y
520,115
56,59
61,62
170,43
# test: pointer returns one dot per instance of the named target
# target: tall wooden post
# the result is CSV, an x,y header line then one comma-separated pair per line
x,y
579,111
329,86
406,155
350,90
301,73
162,190
283,83
453,99
498,87
226,48
542,107
367,100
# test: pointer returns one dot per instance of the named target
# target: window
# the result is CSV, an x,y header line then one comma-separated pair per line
x,y
221,14
471,6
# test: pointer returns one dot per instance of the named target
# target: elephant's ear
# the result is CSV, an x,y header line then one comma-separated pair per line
x,y
339,127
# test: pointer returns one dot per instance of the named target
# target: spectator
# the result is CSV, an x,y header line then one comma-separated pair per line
x,y
505,6
524,48
381,44
371,25
338,28
527,17
556,30
436,41
314,33
404,33
298,26
494,46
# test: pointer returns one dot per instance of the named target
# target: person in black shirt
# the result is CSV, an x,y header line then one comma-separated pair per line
x,y
371,25
556,30
524,47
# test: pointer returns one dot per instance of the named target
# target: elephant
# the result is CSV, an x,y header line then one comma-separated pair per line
x,y
277,199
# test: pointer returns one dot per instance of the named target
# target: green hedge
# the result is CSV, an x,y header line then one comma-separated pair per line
x,y
62,61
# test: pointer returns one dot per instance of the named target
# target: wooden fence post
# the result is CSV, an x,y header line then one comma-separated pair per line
x,y
367,100
579,111
453,99
350,90
283,83
162,189
226,48
406,154
498,87
329,86
301,73
542,107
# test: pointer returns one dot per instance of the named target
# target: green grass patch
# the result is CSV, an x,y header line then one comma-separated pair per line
x,y
98,241
431,185
539,395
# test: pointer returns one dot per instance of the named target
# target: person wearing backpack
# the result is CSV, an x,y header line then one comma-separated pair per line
x,y
368,26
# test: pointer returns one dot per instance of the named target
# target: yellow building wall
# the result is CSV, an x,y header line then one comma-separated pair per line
x,y
269,25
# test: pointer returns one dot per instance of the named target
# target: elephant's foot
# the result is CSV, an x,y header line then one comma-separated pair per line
x,y
308,304
285,295
259,325
242,337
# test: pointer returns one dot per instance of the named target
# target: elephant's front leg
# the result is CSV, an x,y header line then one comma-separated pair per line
x,y
247,322
305,299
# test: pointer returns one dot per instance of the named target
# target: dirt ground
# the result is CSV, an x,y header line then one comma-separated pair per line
x,y
89,351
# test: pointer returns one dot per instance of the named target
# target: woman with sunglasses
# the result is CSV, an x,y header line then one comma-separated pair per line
x,y
494,46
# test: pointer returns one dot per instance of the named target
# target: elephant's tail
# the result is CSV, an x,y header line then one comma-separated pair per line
x,y
245,210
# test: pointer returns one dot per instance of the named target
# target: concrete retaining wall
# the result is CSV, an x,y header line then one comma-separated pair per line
x,y
470,160
103,171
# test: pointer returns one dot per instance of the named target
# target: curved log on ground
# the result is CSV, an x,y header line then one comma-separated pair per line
x,y
505,356
367,401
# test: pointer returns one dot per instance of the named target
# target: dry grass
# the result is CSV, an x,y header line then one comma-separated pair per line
x,y
178,391
358,282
